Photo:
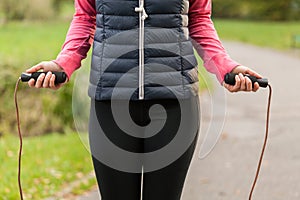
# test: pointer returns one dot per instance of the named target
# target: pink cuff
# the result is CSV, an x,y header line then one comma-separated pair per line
x,y
68,63
220,65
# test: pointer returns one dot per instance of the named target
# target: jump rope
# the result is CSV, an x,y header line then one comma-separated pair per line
x,y
60,77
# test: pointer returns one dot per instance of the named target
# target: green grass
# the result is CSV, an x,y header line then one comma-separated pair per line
x,y
276,35
25,43
49,163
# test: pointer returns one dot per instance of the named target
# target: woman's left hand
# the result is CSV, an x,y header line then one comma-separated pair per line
x,y
243,83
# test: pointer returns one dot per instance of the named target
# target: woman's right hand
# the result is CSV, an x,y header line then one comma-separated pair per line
x,y
48,80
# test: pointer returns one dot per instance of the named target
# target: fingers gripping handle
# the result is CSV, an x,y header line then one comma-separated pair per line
x,y
60,77
230,79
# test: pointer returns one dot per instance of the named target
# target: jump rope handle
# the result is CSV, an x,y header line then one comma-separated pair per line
x,y
60,77
230,79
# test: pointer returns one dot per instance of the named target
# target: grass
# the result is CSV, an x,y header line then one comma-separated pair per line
x,y
50,162
25,43
276,35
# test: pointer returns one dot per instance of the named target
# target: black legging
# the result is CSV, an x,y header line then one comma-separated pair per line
x,y
164,183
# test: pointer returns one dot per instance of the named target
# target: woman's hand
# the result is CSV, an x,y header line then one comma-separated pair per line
x,y
48,80
243,83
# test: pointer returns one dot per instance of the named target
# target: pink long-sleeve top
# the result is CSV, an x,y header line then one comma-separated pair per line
x,y
205,39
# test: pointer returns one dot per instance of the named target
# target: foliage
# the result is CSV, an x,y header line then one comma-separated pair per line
x,y
58,4
49,164
31,9
12,9
258,10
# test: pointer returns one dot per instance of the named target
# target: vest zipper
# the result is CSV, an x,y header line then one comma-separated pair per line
x,y
142,17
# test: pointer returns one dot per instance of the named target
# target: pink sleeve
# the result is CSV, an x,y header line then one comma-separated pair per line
x,y
79,38
206,40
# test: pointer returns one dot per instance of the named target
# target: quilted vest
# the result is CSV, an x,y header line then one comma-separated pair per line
x,y
142,51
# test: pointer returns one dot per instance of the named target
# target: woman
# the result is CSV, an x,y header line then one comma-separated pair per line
x,y
143,56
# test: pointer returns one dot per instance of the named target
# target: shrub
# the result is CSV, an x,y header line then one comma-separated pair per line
x,y
41,111
39,9
30,9
257,9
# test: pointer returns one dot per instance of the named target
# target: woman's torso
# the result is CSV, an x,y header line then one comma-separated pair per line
x,y
142,53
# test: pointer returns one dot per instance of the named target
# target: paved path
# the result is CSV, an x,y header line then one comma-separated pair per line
x,y
228,171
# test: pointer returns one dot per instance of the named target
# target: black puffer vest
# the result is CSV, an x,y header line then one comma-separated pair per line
x,y
142,51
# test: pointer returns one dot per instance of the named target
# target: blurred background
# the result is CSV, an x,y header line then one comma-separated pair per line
x,y
34,30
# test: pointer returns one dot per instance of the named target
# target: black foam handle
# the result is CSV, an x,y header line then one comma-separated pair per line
x,y
60,77
230,79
